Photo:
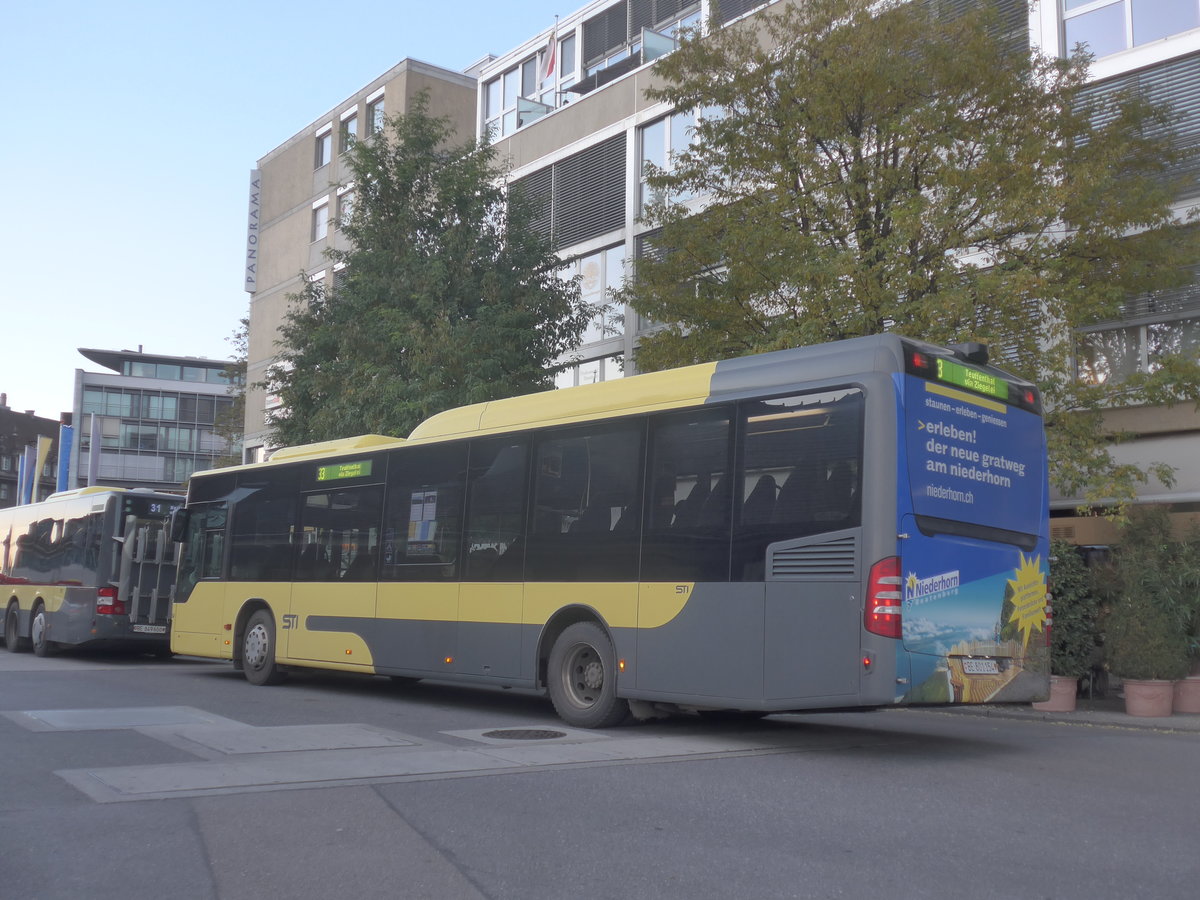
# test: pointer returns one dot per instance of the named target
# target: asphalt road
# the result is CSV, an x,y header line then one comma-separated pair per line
x,y
133,778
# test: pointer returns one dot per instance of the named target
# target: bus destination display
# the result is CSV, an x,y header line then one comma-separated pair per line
x,y
979,382
339,471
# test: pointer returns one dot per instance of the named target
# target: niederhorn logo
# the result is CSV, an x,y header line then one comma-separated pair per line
x,y
916,589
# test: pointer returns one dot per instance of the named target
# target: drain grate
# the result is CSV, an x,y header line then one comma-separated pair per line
x,y
524,734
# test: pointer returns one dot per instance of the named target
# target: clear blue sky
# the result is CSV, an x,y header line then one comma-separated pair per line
x,y
130,129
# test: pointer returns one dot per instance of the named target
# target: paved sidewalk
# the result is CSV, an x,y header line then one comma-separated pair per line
x,y
1108,712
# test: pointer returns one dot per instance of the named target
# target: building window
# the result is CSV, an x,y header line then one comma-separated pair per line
x,y
345,207
600,274
320,222
375,115
324,149
348,133
527,91
1110,26
1112,355
659,142
5,463
592,371
617,33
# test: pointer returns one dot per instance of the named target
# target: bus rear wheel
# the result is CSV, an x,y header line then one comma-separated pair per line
x,y
258,650
12,626
582,678
42,646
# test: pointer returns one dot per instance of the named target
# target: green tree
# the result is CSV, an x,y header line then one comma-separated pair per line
x,y
229,424
448,296
869,166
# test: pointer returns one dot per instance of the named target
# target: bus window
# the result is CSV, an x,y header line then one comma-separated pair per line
x,y
585,515
689,495
496,509
339,535
261,539
800,473
423,524
203,548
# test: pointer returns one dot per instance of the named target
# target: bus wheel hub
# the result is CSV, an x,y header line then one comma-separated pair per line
x,y
593,676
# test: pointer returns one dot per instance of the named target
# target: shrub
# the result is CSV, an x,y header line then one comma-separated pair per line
x,y
1155,579
1074,633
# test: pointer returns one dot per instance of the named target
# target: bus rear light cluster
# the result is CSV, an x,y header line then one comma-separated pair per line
x,y
108,604
882,614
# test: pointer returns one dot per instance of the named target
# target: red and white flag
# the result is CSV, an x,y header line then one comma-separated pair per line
x,y
549,58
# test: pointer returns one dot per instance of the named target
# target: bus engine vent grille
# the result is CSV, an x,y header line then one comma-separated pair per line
x,y
836,559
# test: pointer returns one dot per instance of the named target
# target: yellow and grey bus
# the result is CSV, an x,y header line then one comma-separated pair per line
x,y
89,566
849,525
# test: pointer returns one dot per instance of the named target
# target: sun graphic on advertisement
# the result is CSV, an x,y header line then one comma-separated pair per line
x,y
911,584
1028,597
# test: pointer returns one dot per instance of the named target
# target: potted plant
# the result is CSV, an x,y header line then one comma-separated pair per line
x,y
1154,578
1073,632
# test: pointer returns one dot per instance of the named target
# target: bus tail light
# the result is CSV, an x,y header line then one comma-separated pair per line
x,y
108,604
882,614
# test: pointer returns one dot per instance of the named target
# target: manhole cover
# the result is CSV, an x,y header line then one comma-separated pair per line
x,y
524,734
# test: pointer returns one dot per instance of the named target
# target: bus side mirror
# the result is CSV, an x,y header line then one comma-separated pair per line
x,y
179,523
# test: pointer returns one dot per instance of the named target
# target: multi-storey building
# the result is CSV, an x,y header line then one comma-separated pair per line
x,y
302,188
153,416
19,430
567,110
1151,47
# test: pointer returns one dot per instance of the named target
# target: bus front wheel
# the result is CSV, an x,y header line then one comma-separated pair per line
x,y
258,650
12,631
42,646
582,678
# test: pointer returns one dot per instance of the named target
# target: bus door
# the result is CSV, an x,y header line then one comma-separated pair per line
x,y
261,551
417,606
974,551
698,634
199,594
336,550
492,594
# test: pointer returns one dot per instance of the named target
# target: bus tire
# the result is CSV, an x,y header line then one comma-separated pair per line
x,y
12,628
582,678
258,650
37,633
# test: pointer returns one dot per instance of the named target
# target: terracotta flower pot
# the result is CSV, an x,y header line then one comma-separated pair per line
x,y
1062,695
1187,695
1151,697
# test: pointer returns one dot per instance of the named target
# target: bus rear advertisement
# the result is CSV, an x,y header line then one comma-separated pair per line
x,y
850,525
86,567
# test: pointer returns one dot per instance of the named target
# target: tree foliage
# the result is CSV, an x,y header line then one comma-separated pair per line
x,y
870,166
229,424
447,296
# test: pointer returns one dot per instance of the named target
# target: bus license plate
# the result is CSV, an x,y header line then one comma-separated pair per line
x,y
980,667
150,629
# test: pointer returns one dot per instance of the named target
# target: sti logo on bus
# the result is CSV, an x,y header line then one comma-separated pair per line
x,y
338,471
290,621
